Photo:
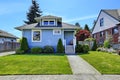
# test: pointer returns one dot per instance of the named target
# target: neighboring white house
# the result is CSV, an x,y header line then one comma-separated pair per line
x,y
7,37
107,24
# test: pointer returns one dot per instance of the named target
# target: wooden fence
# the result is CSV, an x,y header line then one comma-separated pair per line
x,y
9,46
90,43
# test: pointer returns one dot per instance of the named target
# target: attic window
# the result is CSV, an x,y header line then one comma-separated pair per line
x,y
102,22
115,30
46,23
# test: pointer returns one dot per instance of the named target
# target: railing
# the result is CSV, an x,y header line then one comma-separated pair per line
x,y
74,44
65,44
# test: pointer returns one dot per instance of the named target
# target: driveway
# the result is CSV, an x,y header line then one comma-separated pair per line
x,y
7,53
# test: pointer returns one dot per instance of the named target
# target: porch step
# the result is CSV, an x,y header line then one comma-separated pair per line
x,y
69,50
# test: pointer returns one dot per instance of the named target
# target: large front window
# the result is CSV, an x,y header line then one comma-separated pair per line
x,y
36,35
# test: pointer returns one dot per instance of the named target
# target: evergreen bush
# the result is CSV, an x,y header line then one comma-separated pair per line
x,y
60,47
24,45
106,44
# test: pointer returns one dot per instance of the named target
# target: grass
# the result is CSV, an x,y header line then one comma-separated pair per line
x,y
34,64
104,62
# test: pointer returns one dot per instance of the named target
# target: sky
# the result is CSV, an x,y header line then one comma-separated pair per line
x,y
13,12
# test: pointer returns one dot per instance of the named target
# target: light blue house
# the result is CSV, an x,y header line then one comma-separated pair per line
x,y
48,31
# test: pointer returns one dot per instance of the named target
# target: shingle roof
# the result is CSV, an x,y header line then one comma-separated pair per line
x,y
115,13
6,34
48,16
33,26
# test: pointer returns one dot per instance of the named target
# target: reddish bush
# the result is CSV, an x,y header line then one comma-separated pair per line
x,y
81,35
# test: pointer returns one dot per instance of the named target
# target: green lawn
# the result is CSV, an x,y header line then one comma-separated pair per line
x,y
34,64
104,62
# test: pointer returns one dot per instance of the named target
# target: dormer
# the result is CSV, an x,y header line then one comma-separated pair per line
x,y
49,21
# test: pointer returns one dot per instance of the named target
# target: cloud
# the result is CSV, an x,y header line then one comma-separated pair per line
x,y
80,18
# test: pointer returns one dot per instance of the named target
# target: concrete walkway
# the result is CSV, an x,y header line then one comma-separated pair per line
x,y
80,66
7,53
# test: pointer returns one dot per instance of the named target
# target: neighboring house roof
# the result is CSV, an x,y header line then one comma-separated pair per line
x,y
34,26
6,34
115,13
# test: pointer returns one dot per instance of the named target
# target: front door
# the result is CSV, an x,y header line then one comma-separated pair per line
x,y
68,36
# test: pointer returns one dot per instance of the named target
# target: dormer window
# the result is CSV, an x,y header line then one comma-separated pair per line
x,y
46,23
49,23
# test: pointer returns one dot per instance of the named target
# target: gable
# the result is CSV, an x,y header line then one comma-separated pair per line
x,y
108,22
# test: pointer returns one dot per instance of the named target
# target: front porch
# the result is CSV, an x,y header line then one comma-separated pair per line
x,y
69,42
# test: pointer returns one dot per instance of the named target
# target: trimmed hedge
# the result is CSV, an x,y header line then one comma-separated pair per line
x,y
48,49
36,50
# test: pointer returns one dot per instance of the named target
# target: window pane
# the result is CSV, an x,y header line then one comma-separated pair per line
x,y
101,22
115,30
51,22
36,36
46,23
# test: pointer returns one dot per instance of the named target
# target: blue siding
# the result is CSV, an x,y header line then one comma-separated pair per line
x,y
47,38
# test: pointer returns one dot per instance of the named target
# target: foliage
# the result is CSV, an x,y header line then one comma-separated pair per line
x,y
34,12
89,39
85,48
19,51
33,64
36,50
79,48
48,49
104,62
24,44
60,47
86,28
94,46
106,44
81,35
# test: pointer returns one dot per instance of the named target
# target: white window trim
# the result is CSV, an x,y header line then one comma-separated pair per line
x,y
55,33
40,35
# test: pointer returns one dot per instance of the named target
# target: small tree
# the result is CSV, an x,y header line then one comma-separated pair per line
x,y
86,28
24,45
81,35
60,47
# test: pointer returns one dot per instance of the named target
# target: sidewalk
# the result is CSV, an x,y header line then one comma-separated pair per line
x,y
7,53
80,66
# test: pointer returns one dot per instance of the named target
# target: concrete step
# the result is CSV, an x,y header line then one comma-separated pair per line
x,y
69,49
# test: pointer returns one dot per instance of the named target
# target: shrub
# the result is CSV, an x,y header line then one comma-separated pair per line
x,y
60,47
48,49
85,48
94,47
19,51
36,50
24,45
79,48
98,49
106,44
